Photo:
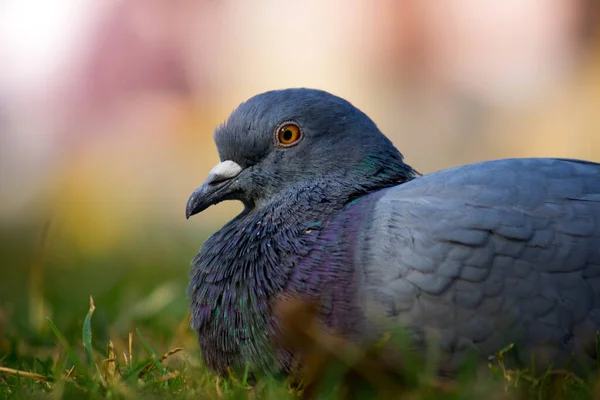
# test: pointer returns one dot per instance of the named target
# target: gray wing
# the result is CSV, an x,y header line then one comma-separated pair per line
x,y
489,254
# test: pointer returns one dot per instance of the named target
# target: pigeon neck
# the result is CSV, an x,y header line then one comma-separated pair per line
x,y
263,252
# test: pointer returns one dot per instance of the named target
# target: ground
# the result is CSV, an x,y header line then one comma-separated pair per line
x,y
114,324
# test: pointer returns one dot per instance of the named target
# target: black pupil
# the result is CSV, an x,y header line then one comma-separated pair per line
x,y
287,135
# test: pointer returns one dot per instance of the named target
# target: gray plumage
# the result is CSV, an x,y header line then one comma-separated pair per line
x,y
480,256
490,254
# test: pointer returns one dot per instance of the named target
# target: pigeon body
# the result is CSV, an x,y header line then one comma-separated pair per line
x,y
482,255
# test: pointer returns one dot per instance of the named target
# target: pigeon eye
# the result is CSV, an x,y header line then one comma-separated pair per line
x,y
288,134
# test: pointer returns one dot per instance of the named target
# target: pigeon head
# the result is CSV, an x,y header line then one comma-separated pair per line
x,y
298,143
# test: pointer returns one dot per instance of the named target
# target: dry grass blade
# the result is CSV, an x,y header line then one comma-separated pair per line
x,y
232,377
24,374
100,377
109,364
161,359
131,347
169,376
170,353
70,372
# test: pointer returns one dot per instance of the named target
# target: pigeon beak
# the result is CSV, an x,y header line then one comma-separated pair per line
x,y
213,190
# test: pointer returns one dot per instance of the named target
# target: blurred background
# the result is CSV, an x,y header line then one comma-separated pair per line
x,y
107,110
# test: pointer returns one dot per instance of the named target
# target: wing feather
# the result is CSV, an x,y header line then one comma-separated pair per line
x,y
491,253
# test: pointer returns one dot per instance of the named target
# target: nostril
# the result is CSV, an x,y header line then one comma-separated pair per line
x,y
216,179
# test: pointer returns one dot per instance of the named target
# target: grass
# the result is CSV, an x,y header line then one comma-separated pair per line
x,y
131,338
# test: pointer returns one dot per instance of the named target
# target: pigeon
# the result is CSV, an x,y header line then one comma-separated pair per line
x,y
474,257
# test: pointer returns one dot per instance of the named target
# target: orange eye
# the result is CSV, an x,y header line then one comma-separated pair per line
x,y
288,134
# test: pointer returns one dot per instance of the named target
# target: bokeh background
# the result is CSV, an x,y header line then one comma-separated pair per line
x,y
107,110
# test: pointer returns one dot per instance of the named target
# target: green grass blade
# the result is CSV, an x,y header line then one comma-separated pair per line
x,y
70,352
150,351
87,333
245,377
134,371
